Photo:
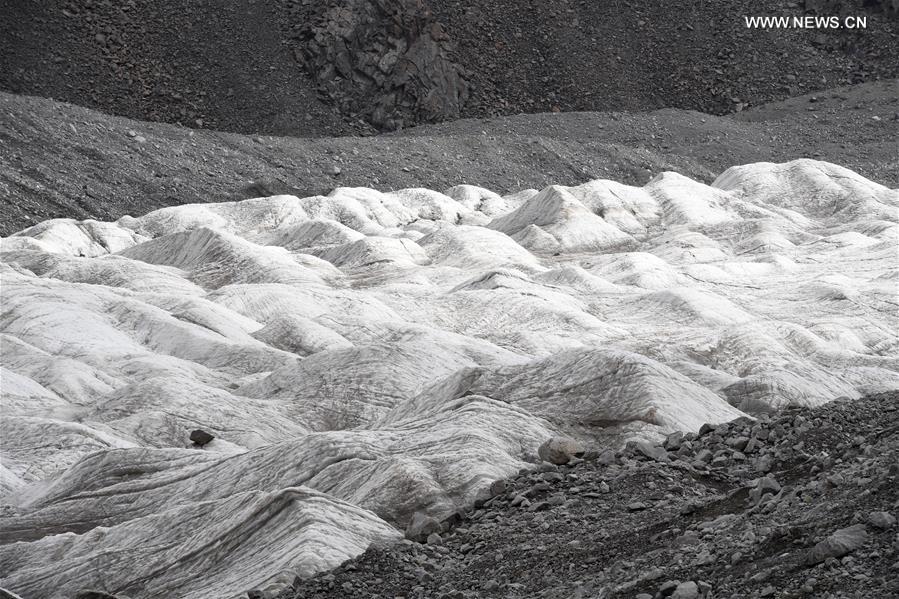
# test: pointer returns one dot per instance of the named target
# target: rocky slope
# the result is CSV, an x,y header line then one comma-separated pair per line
x,y
363,361
58,160
538,56
802,504
332,67
200,63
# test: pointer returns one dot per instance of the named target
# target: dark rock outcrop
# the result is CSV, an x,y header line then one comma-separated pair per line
x,y
387,62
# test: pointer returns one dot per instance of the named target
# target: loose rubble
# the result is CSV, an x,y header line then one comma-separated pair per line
x,y
797,504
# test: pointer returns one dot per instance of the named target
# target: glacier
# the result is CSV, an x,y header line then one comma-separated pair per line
x,y
364,356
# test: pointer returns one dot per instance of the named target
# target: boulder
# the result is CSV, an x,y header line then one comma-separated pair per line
x,y
881,520
560,450
498,487
653,452
201,437
764,486
686,590
673,441
421,525
840,543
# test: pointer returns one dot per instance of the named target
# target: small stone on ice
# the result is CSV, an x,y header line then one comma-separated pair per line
x,y
201,437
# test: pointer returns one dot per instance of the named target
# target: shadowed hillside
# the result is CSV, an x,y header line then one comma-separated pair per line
x,y
332,67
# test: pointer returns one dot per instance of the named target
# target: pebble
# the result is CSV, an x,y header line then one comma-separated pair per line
x,y
840,543
738,443
686,590
765,463
673,441
606,458
668,587
421,525
653,452
704,455
556,499
764,486
881,520
537,488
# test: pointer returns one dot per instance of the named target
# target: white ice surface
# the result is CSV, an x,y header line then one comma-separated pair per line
x,y
363,355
